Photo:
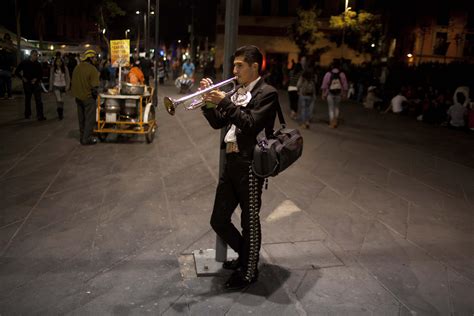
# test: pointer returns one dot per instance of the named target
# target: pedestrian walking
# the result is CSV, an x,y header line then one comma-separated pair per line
x,y
7,64
295,74
30,72
306,94
334,89
59,82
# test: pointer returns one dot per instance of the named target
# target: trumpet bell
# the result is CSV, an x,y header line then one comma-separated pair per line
x,y
169,105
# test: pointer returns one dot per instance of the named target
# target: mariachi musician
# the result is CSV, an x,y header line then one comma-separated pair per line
x,y
251,109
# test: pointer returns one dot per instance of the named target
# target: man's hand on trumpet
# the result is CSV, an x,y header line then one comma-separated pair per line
x,y
213,97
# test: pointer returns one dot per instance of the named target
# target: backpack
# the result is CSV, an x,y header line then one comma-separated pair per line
x,y
335,85
307,87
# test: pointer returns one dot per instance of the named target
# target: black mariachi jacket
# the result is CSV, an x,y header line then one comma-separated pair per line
x,y
259,114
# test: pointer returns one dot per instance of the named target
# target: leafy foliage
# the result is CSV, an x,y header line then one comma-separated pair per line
x,y
107,10
361,29
305,30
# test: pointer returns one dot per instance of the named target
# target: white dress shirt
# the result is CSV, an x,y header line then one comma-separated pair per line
x,y
230,136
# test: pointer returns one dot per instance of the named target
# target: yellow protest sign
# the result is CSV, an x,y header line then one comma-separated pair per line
x,y
120,52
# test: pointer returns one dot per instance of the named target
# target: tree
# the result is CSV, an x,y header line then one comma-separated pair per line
x,y
360,31
305,30
40,10
106,11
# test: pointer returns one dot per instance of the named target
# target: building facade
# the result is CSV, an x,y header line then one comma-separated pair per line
x,y
445,37
413,32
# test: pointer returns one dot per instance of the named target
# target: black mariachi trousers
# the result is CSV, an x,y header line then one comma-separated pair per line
x,y
239,186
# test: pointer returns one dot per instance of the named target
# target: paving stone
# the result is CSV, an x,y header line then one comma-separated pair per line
x,y
344,291
414,191
383,205
410,274
462,294
302,255
295,227
343,221
445,234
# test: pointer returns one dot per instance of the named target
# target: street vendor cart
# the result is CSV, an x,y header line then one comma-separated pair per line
x,y
129,112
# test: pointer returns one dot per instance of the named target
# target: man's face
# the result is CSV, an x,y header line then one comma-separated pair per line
x,y
245,73
34,56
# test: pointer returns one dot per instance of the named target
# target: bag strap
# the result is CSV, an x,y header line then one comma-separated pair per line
x,y
280,116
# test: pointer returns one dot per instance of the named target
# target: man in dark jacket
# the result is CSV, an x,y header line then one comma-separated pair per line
x,y
85,83
31,72
244,114
7,64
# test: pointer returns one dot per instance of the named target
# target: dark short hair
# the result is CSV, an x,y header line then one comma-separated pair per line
x,y
33,51
251,55
461,98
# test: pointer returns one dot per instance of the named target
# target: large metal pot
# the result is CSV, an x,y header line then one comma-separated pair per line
x,y
130,107
112,105
132,89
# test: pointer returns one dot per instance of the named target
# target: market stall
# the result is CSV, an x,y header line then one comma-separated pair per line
x,y
126,108
128,111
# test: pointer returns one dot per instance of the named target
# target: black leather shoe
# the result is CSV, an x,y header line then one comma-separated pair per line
x,y
231,264
237,281
92,141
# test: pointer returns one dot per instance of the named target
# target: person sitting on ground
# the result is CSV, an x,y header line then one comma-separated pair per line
x,y
436,112
465,91
372,100
397,104
457,112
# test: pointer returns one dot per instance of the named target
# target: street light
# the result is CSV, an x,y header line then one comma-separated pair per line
x,y
138,32
346,7
126,33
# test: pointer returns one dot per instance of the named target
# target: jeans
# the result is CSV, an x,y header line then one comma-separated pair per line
x,y
333,106
305,108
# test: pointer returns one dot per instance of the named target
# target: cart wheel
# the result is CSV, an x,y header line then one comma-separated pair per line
x,y
150,136
102,136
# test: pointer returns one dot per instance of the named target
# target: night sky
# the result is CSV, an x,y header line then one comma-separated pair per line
x,y
175,16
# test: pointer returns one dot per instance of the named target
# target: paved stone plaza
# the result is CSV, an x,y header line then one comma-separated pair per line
x,y
376,218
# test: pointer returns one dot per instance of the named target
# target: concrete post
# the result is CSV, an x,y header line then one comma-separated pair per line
x,y
208,262
230,44
157,48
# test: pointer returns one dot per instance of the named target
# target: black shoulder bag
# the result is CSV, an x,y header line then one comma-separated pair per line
x,y
274,154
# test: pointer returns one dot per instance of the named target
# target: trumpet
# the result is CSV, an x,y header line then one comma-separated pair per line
x,y
197,97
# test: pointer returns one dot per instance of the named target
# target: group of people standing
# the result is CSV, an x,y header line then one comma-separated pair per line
x,y
302,91
30,71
